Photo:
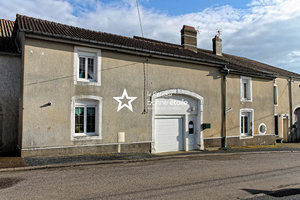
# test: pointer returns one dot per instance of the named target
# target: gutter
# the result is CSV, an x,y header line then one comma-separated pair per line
x,y
122,47
258,75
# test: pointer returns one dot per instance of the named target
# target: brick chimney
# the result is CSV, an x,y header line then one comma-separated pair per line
x,y
189,38
217,45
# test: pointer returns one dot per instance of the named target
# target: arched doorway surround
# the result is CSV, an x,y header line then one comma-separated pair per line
x,y
185,117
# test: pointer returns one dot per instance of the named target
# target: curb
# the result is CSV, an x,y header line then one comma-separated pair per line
x,y
169,157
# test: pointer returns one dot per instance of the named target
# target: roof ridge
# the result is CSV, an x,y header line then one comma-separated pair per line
x,y
156,41
259,62
75,27
7,43
2,19
104,33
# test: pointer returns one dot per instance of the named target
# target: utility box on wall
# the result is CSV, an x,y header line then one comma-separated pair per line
x,y
205,126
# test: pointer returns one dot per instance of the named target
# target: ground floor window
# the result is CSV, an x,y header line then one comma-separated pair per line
x,y
85,119
246,122
86,116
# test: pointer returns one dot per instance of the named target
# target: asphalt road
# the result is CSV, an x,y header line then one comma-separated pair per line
x,y
248,176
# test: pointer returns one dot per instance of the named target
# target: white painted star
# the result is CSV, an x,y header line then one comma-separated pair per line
x,y
122,105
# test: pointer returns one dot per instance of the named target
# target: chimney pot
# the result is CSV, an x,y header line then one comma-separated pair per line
x,y
189,38
217,45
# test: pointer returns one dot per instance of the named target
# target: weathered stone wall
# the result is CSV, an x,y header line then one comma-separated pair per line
x,y
10,68
48,77
237,142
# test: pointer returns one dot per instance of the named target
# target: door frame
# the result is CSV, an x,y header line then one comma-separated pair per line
x,y
200,101
187,120
285,136
297,122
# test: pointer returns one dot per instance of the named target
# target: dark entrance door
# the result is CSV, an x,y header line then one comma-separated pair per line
x,y
297,127
1,128
276,125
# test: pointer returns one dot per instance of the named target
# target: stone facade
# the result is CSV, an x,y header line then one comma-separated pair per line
x,y
43,87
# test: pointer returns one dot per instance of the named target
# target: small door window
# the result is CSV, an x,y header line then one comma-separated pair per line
x,y
191,127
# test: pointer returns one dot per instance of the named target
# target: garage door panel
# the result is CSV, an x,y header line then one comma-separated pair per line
x,y
168,134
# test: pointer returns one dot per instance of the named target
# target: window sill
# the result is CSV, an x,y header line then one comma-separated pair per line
x,y
246,136
246,100
261,134
85,137
87,83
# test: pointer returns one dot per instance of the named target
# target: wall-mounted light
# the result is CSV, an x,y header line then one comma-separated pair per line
x,y
46,105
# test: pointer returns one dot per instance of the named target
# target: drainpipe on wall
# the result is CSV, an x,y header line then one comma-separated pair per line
x,y
224,143
291,109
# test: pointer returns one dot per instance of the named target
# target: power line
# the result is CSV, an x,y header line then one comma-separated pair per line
x,y
140,20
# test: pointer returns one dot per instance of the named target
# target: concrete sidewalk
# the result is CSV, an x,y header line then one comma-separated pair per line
x,y
31,163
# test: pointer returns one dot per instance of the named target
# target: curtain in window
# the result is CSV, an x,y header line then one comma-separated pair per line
x,y
91,120
81,67
90,68
79,120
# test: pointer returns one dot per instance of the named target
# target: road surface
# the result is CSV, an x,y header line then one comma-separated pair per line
x,y
243,176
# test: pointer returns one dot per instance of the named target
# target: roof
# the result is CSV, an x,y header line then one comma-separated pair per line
x,y
62,31
240,64
53,29
236,63
7,43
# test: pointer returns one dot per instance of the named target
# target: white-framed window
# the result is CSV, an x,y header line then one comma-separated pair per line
x,y
86,117
275,95
87,66
246,89
262,129
246,122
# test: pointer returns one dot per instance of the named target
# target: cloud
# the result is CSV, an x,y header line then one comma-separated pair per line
x,y
267,30
60,11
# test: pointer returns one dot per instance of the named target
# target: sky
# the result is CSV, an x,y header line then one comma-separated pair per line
x,y
264,30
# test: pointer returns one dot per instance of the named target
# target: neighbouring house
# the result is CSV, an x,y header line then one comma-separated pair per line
x,y
10,88
82,92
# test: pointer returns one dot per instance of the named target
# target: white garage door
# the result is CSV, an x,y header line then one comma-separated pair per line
x,y
168,134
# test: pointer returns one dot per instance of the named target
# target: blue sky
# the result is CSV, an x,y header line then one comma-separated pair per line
x,y
180,7
263,30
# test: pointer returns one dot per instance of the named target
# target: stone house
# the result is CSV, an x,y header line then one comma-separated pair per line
x,y
83,92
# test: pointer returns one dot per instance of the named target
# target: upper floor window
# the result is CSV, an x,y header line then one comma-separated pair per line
x,y
275,93
246,89
87,66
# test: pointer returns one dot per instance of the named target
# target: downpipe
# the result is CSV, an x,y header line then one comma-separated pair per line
x,y
224,140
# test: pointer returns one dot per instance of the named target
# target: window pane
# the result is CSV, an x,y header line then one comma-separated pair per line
x,y
245,90
246,124
90,68
242,124
81,67
275,94
262,129
91,120
79,120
